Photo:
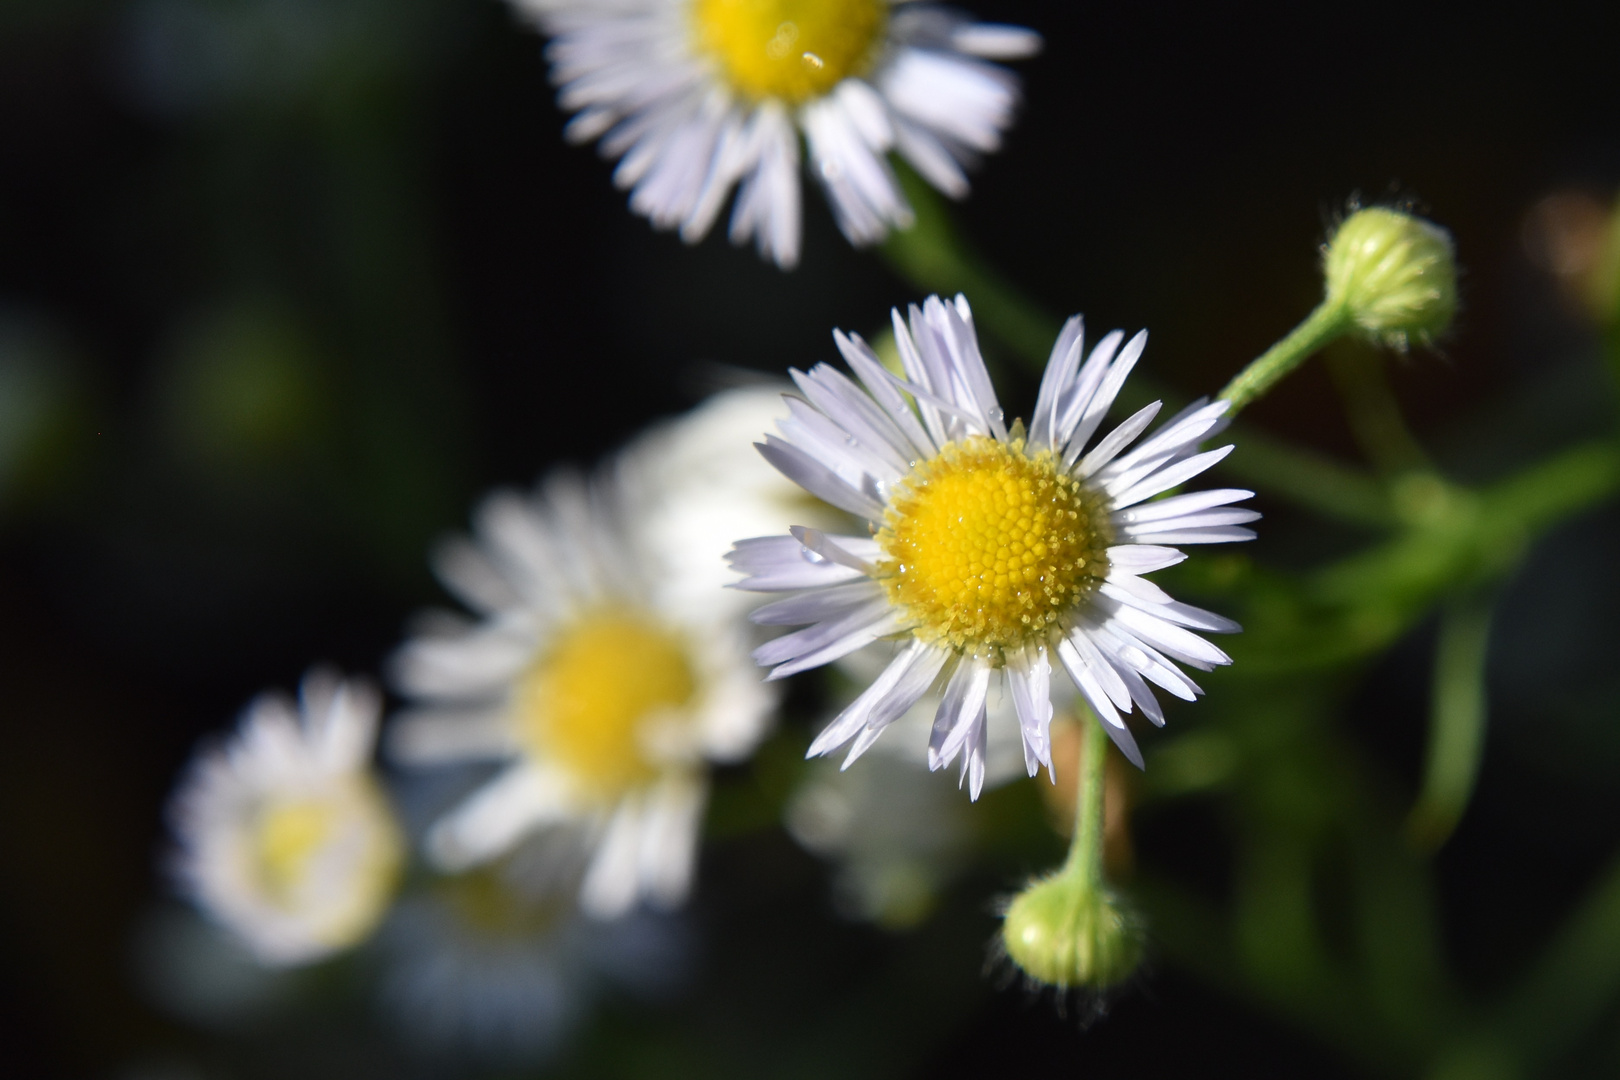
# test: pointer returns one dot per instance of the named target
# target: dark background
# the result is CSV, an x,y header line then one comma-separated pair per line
x,y
285,285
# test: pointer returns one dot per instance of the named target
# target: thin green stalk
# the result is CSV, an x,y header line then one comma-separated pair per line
x,y
1457,722
1373,412
1085,861
1327,323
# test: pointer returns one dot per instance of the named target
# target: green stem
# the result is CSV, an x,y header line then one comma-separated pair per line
x,y
1373,412
1325,324
1457,724
1084,864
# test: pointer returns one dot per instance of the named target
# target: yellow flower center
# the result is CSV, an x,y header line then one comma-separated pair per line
x,y
986,547
793,50
298,843
592,701
289,834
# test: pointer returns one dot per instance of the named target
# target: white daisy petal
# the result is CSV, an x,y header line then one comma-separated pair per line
x,y
905,680
1116,440
818,478
669,840
1178,505
1060,372
996,42
961,706
877,382
782,564
1181,614
1170,639
1108,388
441,736
967,102
852,634
1143,558
836,395
855,462
475,663
1167,478
1029,678
493,819
815,606
613,878
1220,535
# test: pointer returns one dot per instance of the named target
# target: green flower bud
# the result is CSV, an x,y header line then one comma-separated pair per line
x,y
1394,274
1067,933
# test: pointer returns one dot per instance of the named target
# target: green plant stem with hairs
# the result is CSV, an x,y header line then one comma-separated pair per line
x,y
1085,859
1329,322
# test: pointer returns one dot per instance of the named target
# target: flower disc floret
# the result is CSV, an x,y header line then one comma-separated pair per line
x,y
987,546
793,50
591,698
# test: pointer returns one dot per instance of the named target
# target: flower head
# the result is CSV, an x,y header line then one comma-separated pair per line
x,y
286,838
696,97
990,549
604,690
1066,932
1395,275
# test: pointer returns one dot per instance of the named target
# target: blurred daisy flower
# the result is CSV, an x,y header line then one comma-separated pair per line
x,y
286,839
605,695
694,97
991,549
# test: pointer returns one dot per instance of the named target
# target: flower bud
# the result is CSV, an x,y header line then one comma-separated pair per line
x,y
1065,932
1394,274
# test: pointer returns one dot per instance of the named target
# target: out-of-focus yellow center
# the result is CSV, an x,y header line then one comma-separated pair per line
x,y
794,50
589,700
289,833
986,547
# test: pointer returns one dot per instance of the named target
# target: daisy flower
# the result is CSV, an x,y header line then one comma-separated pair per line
x,y
991,550
695,97
285,837
603,696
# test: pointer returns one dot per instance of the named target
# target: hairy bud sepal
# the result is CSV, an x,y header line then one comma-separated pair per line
x,y
1393,275
1065,932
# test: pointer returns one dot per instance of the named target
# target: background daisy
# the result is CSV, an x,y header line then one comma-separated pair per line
x,y
605,699
694,97
285,836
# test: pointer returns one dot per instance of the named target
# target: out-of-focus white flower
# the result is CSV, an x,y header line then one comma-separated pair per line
x,y
605,691
285,836
695,97
990,550
699,484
